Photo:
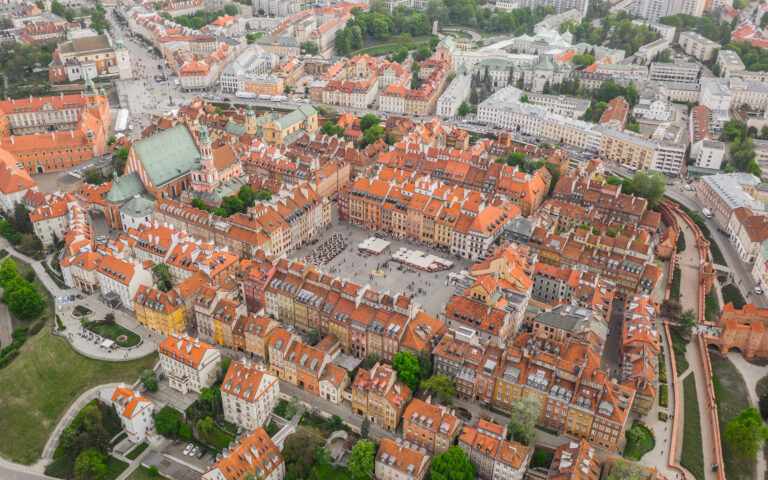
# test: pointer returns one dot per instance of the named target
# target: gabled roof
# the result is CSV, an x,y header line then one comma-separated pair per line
x,y
168,155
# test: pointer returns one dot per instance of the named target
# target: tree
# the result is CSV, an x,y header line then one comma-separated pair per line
x,y
373,134
93,176
423,53
686,321
299,451
649,185
746,433
322,456
463,109
20,220
24,303
293,407
309,48
365,428
368,121
407,367
118,160
671,309
230,9
441,385
167,421
8,271
185,433
149,379
90,465
400,55
453,464
361,459
522,419
425,364
153,471
627,471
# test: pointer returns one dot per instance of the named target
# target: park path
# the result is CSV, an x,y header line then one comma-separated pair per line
x,y
689,269
695,361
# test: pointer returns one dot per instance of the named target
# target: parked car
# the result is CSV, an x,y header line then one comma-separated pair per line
x,y
188,448
758,291
201,453
193,452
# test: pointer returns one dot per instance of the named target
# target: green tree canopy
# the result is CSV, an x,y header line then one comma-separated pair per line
x,y
368,121
407,367
149,379
522,419
167,421
361,458
89,465
650,186
299,451
746,434
440,385
463,109
453,464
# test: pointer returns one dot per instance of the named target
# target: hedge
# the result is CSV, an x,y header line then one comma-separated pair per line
x,y
680,242
664,396
674,288
663,416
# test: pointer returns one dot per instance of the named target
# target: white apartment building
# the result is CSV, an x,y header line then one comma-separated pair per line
x,y
572,107
729,63
675,72
560,5
650,50
51,219
457,92
253,63
652,10
653,105
135,412
277,8
689,7
249,393
122,278
697,45
669,158
504,110
721,94
189,364
392,103
710,154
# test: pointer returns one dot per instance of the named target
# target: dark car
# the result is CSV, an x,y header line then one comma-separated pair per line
x,y
71,298
201,453
79,297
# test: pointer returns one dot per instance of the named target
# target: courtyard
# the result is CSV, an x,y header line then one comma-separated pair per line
x,y
362,268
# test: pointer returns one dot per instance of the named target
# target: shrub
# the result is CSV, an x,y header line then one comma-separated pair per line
x,y
185,433
731,293
664,395
674,288
59,323
680,242
663,416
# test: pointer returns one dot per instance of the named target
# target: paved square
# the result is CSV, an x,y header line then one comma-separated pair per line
x,y
354,265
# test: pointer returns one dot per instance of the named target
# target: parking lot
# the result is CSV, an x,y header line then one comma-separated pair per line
x,y
353,265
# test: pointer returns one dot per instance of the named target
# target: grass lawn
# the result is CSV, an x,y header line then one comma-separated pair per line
x,y
134,454
114,468
731,293
50,304
141,473
678,346
692,455
640,441
391,45
732,398
114,331
712,310
327,472
39,385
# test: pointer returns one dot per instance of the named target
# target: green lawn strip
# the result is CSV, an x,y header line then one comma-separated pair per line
x,y
678,346
692,455
114,467
113,331
731,293
712,306
732,398
327,472
60,467
142,473
674,287
134,454
41,383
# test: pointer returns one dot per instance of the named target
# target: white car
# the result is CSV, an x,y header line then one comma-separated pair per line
x,y
188,448
193,452
758,291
